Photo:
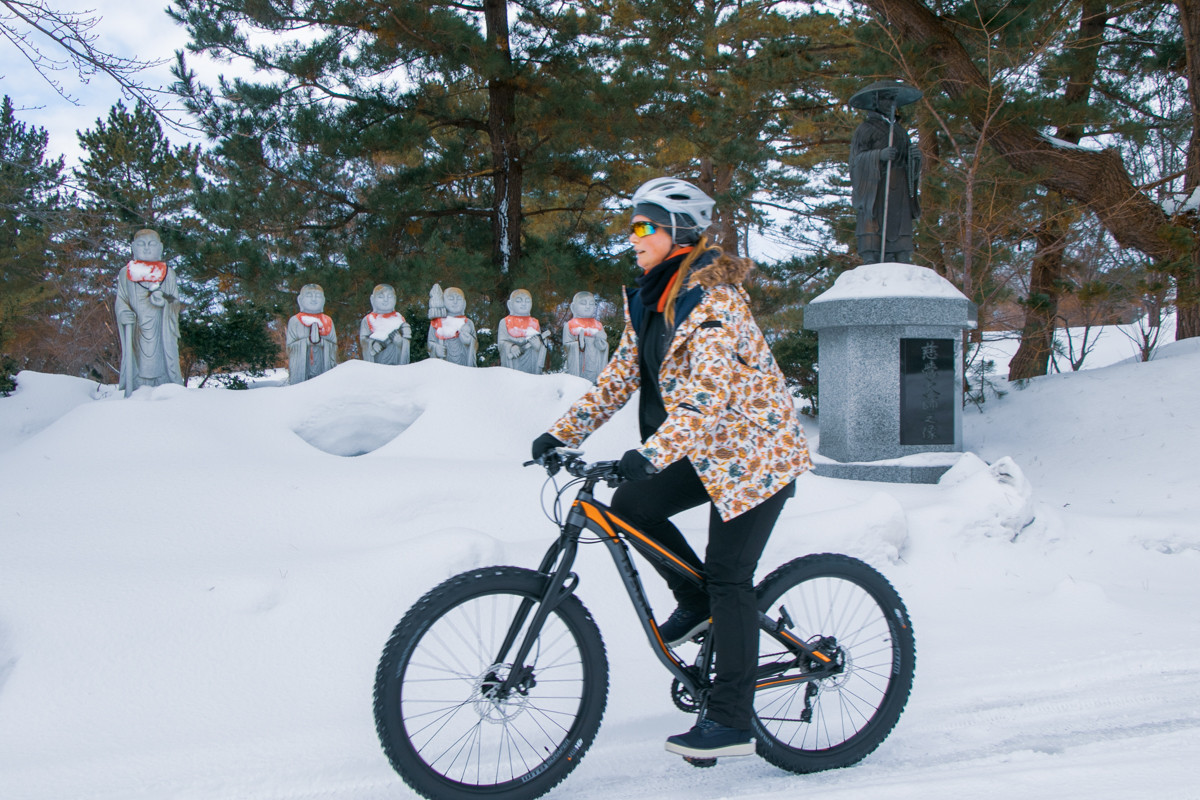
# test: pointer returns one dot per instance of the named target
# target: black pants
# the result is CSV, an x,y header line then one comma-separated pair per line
x,y
732,555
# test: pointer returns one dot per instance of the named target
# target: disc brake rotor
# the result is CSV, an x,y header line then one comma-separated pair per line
x,y
494,708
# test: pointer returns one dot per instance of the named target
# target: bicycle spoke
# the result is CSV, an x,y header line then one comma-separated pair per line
x,y
820,608
479,739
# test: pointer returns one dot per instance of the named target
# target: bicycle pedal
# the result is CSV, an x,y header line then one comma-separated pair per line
x,y
700,762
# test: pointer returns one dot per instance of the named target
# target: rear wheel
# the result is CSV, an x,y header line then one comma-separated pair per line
x,y
446,725
862,624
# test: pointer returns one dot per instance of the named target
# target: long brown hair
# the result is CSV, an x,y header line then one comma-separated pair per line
x,y
701,247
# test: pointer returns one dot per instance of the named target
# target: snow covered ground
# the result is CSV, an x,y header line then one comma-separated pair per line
x,y
195,586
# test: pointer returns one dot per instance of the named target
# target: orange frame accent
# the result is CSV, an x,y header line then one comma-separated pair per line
x,y
604,519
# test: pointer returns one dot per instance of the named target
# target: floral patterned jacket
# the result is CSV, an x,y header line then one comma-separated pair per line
x,y
728,408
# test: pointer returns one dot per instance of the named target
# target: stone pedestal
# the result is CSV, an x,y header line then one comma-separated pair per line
x,y
891,373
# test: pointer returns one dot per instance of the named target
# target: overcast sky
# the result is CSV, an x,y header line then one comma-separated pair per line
x,y
130,28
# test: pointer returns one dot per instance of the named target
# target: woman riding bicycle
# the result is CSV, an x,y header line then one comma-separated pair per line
x,y
717,425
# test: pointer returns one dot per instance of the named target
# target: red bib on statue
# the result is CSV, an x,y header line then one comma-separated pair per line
x,y
323,320
579,324
382,325
522,327
146,271
448,327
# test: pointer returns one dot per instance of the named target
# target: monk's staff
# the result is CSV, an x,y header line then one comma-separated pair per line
x,y
127,359
887,185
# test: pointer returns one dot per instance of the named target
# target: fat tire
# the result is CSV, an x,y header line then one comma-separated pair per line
x,y
570,618
832,580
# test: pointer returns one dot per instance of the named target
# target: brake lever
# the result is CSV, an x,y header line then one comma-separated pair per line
x,y
550,462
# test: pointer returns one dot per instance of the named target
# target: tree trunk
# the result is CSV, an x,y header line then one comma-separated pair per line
x,y
1096,180
1187,279
1048,272
508,171
1045,284
714,180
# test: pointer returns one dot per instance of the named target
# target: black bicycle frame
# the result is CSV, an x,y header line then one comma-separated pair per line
x,y
586,513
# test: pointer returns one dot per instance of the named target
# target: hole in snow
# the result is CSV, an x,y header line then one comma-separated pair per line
x,y
356,429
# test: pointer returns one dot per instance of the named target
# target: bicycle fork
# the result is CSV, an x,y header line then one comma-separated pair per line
x,y
559,586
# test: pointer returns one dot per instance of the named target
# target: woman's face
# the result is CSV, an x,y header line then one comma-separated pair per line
x,y
651,250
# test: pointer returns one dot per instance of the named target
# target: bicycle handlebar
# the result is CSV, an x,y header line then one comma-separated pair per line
x,y
571,460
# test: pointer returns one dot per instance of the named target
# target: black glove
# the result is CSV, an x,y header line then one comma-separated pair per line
x,y
544,444
635,467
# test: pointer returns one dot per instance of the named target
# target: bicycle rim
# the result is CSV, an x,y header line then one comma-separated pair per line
x,y
452,719
841,718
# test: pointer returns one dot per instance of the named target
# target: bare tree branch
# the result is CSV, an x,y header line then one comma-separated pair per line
x,y
55,41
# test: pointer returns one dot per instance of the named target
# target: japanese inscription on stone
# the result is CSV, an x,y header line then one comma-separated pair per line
x,y
927,393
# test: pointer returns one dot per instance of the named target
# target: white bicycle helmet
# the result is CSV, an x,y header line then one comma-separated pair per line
x,y
690,209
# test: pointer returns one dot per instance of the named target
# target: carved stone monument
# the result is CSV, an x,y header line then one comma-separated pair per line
x,y
890,350
885,171
451,333
147,310
585,342
520,338
384,337
311,337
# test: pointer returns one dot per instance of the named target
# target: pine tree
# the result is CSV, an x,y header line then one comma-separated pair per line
x,y
405,143
133,177
130,177
736,96
29,203
1010,112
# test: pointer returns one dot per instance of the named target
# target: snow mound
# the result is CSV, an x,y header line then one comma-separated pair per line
x,y
999,497
39,401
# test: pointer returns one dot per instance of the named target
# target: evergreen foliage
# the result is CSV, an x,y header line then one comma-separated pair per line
x,y
492,145
8,375
1023,84
29,203
743,98
796,354
130,177
408,143
219,341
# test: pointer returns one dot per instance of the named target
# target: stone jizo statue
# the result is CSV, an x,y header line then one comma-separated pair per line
x,y
520,337
147,310
885,171
311,337
451,333
384,336
585,342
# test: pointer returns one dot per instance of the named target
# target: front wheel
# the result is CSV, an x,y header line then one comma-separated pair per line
x,y
444,721
860,623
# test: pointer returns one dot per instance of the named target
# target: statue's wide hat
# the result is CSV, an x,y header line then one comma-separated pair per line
x,y
867,98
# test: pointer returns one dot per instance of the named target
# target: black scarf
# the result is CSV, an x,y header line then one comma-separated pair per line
x,y
653,283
